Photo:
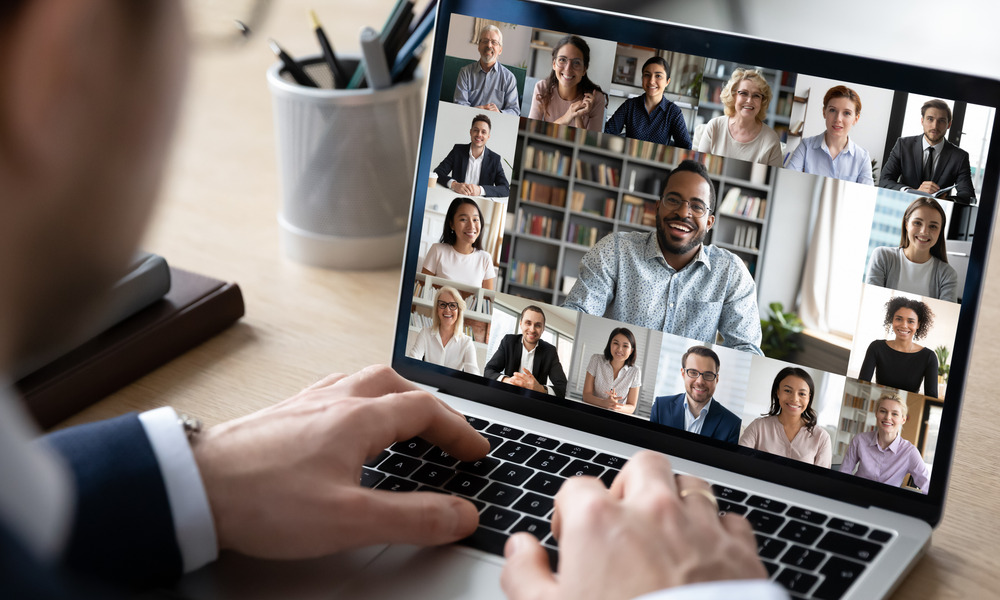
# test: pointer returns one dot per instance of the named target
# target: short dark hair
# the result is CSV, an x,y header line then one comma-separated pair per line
x,y
842,91
531,307
448,236
809,414
693,166
701,351
657,60
939,251
631,340
938,104
925,316
484,119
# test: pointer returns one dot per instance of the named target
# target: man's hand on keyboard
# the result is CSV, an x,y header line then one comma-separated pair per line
x,y
283,482
640,536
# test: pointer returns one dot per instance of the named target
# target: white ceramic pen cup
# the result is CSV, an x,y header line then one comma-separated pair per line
x,y
346,161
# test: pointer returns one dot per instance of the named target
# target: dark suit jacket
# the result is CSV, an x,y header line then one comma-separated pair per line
x,y
507,361
123,532
491,175
905,167
720,423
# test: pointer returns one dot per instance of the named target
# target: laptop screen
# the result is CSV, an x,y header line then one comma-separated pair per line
x,y
763,257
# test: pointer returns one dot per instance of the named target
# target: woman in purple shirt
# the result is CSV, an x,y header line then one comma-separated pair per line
x,y
883,455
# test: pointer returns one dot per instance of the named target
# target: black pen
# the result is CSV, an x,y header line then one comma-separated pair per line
x,y
291,66
396,31
339,74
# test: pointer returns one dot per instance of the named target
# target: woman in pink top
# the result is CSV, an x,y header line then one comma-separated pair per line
x,y
789,428
567,96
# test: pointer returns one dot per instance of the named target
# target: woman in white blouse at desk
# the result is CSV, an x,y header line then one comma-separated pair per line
x,y
443,343
460,256
613,380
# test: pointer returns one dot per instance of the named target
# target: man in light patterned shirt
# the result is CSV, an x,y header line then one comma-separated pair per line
x,y
668,279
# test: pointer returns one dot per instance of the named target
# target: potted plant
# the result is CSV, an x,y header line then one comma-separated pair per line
x,y
780,332
943,366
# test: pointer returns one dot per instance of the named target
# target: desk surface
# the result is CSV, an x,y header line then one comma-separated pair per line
x,y
217,216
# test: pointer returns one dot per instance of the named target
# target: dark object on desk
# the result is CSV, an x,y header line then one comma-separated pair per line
x,y
195,309
292,66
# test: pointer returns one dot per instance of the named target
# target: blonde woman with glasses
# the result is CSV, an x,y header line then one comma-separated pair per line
x,y
444,343
741,132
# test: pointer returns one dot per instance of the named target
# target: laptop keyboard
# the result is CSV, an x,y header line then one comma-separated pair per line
x,y
807,552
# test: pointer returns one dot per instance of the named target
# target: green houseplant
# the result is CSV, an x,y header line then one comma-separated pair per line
x,y
780,332
943,366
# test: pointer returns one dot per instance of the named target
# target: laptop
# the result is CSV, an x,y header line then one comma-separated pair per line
x,y
808,234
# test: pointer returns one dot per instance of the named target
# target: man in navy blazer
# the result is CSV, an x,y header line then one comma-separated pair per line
x,y
527,360
929,162
696,410
473,169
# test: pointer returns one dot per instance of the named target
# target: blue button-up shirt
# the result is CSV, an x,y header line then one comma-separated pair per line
x,y
476,87
625,278
664,125
813,156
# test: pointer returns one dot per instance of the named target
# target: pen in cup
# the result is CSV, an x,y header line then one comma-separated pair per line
x,y
339,72
291,66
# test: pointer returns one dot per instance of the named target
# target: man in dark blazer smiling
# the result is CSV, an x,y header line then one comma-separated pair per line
x,y
527,360
696,410
473,169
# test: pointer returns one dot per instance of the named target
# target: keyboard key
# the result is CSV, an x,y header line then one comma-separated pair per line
x,y
480,505
543,483
395,484
796,581
771,567
551,541
504,431
511,474
877,535
803,558
608,476
847,527
540,441
533,504
373,462
483,466
498,518
576,451
515,452
840,574
764,522
769,547
806,515
535,527
370,478
800,532
726,506
494,440
610,460
486,540
498,493
548,461
477,423
767,504
465,484
411,447
727,493
440,457
848,546
397,464
579,467
434,475
427,488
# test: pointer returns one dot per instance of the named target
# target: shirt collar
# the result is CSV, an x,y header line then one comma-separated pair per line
x,y
480,157
924,144
892,447
848,149
493,67
652,252
704,411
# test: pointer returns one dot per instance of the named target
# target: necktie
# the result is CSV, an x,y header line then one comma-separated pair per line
x,y
929,165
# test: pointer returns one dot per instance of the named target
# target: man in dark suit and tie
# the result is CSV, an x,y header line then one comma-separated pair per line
x,y
695,410
473,169
929,162
527,360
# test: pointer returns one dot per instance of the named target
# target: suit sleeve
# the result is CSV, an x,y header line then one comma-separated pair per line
x,y
654,411
497,364
557,377
445,169
964,188
495,184
123,529
733,435
892,169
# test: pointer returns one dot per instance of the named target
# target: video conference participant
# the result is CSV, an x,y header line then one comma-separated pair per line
x,y
613,380
901,362
741,132
882,454
459,256
920,264
668,279
444,343
833,153
473,169
486,84
651,117
789,429
526,360
696,410
928,162
567,96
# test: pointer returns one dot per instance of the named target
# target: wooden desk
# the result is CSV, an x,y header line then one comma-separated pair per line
x,y
217,217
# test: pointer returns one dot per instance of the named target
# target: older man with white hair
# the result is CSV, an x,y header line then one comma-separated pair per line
x,y
486,84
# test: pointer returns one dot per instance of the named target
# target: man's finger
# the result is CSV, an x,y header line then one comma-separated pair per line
x,y
526,575
645,474
425,518
370,382
576,499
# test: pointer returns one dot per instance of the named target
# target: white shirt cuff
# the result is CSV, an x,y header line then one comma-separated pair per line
x,y
189,507
746,589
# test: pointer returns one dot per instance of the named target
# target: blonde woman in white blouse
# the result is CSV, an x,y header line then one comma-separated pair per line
x,y
613,380
443,343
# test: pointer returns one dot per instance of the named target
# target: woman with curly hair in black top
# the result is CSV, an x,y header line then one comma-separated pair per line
x,y
567,96
901,362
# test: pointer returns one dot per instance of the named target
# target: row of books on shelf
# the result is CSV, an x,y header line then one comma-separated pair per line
x,y
672,155
738,203
583,235
537,224
542,193
552,130
525,273
637,211
859,402
554,162
745,236
473,304
601,173
852,426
